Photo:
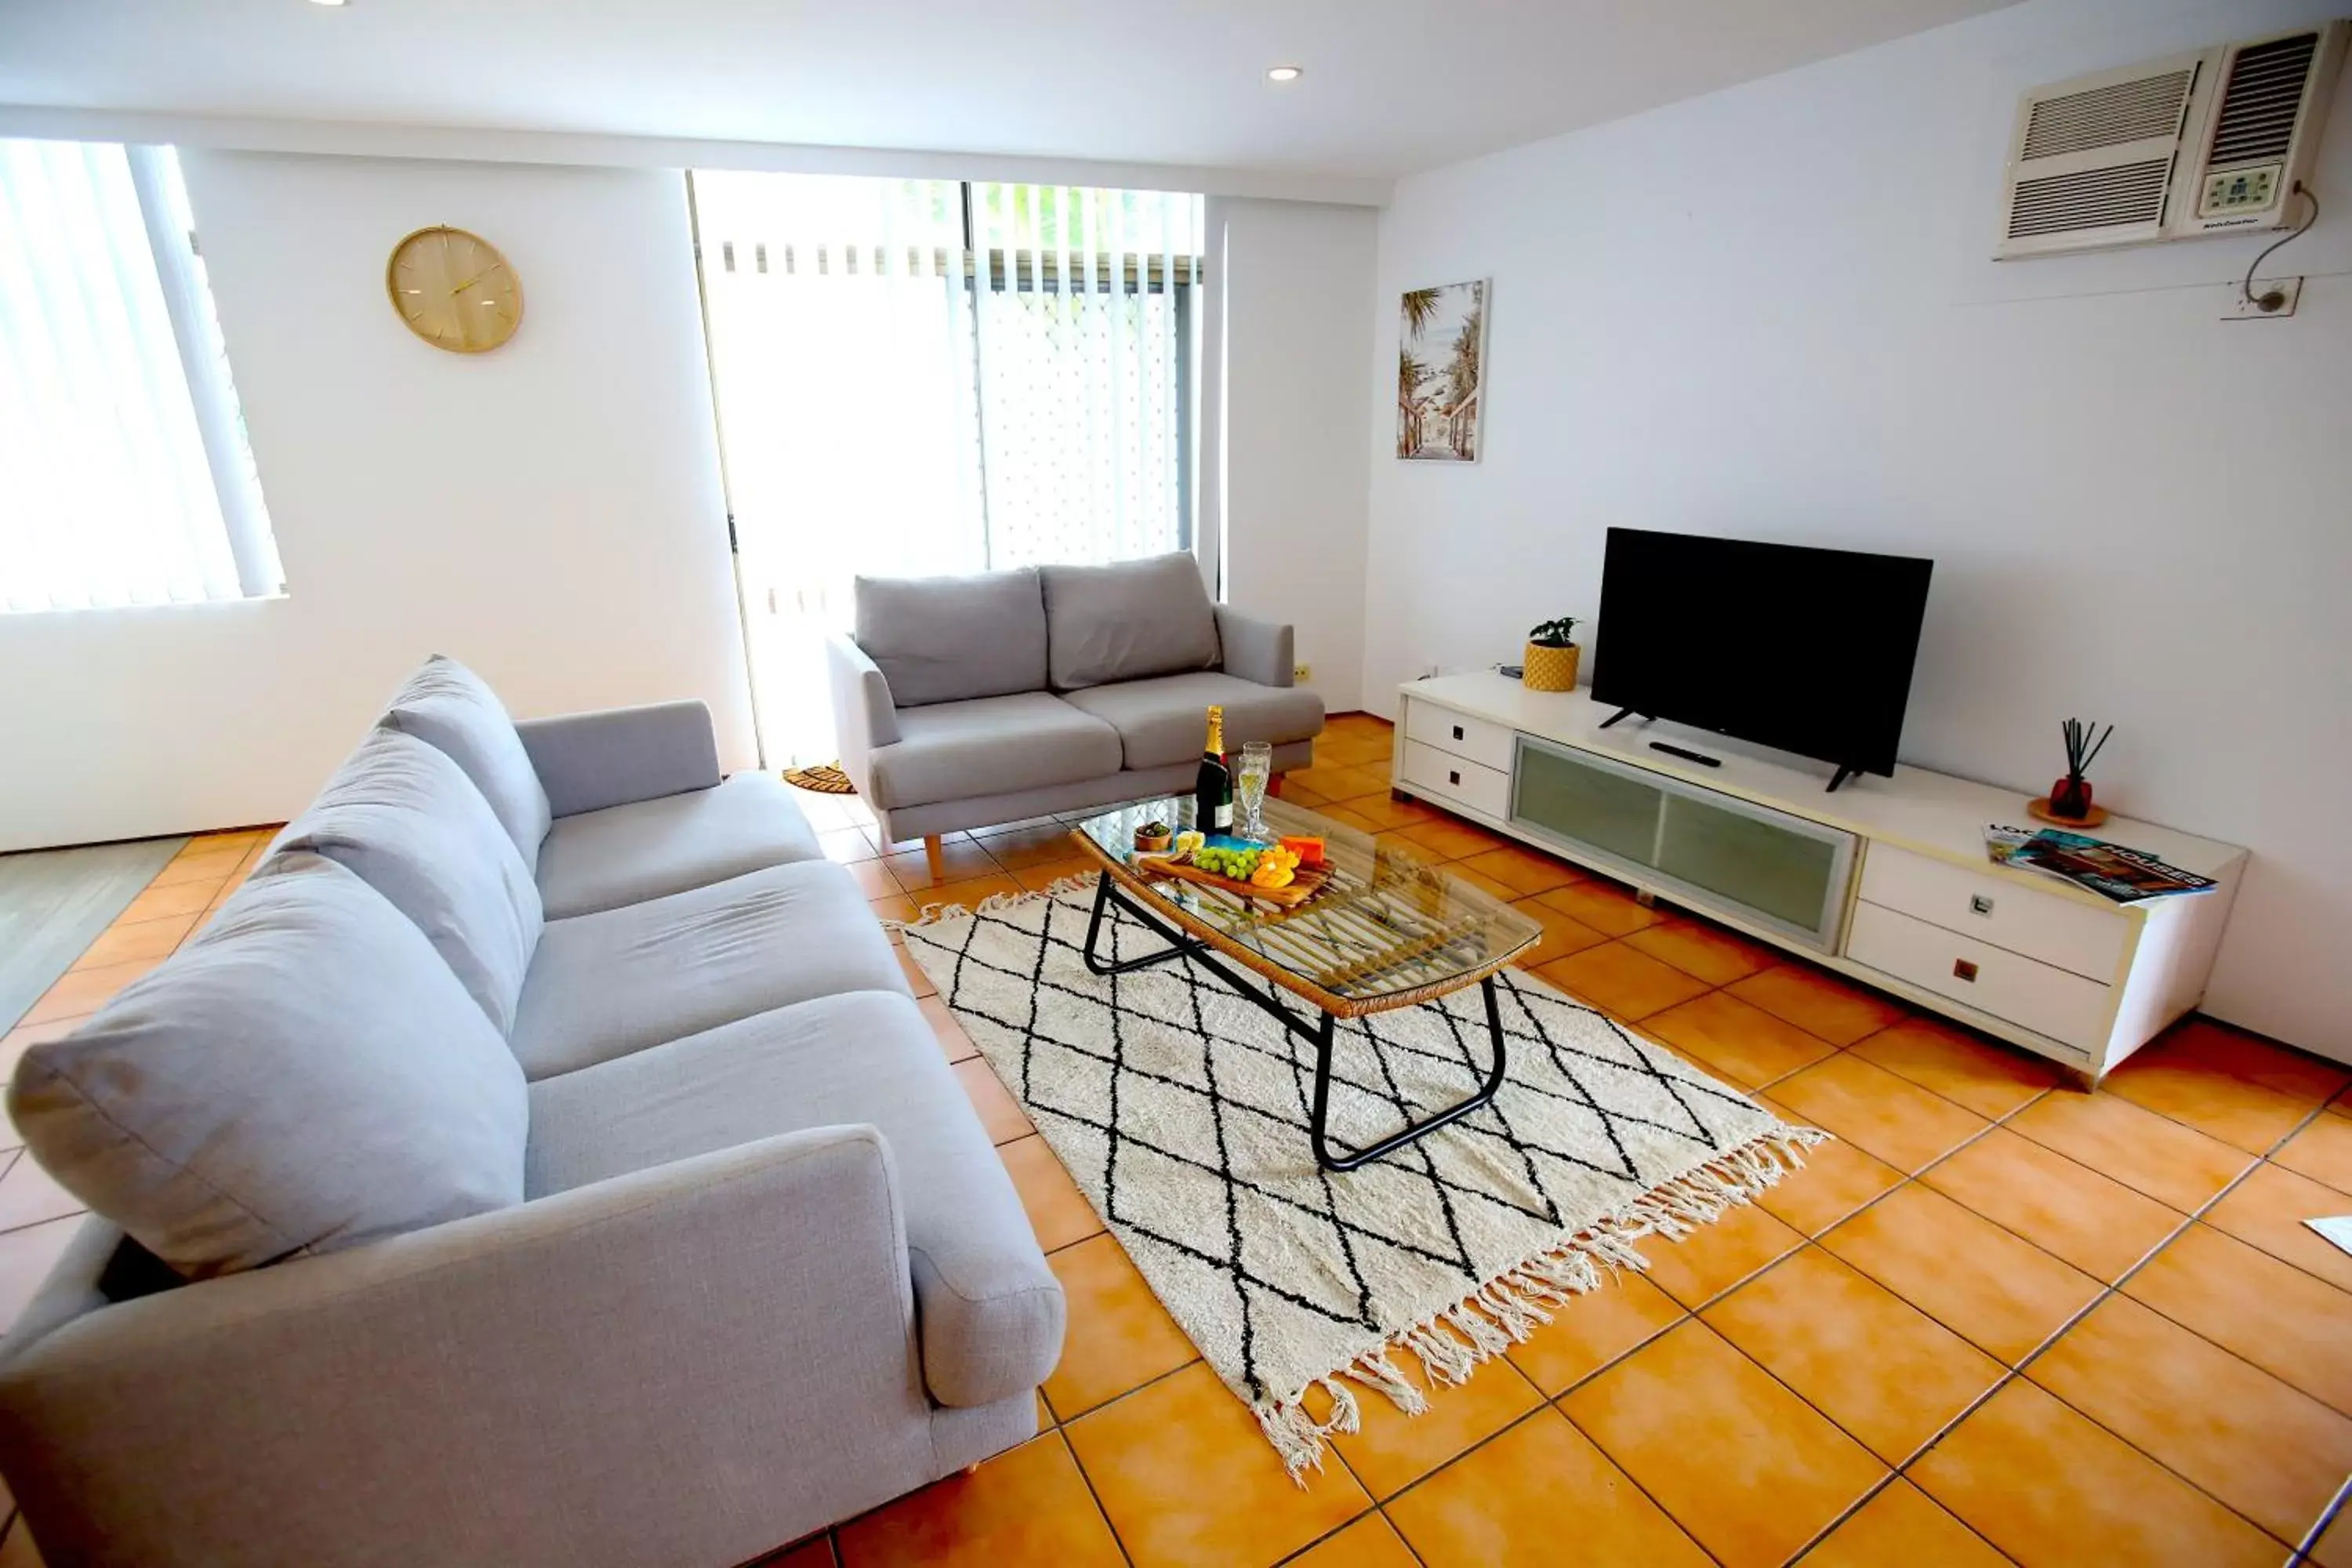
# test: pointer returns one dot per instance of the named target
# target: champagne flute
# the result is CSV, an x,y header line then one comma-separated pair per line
x,y
1249,786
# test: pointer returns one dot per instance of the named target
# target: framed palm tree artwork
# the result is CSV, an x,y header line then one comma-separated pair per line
x,y
1440,363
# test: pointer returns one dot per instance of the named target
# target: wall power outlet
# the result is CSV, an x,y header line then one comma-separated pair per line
x,y
1302,672
2284,293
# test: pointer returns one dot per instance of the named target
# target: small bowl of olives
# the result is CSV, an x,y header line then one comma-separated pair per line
x,y
1153,838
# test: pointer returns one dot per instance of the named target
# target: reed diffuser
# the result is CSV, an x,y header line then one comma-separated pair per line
x,y
2070,797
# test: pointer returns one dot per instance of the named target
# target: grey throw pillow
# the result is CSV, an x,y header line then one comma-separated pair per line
x,y
1127,621
447,706
304,1075
407,821
942,639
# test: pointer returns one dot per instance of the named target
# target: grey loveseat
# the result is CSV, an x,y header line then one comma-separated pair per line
x,y
964,701
540,1160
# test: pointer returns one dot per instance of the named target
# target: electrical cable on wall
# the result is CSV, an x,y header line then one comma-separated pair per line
x,y
2276,298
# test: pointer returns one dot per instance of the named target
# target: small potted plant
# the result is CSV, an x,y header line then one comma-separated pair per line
x,y
1550,661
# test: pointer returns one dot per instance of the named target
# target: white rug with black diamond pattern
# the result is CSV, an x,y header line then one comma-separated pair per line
x,y
1180,1110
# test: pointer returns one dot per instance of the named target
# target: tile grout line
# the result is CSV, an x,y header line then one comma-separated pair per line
x,y
1088,1482
1900,1469
1692,1314
2011,1373
1541,1407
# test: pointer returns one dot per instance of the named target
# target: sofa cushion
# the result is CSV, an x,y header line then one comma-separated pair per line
x,y
989,745
447,706
304,1075
1166,719
652,848
604,985
405,820
1128,620
942,639
989,1309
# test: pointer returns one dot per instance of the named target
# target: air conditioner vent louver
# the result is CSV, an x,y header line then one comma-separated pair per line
x,y
2256,124
2090,198
2211,142
2107,116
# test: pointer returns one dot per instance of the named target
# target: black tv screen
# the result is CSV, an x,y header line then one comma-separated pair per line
x,y
1806,650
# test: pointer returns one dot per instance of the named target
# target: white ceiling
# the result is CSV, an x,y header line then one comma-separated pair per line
x,y
1391,86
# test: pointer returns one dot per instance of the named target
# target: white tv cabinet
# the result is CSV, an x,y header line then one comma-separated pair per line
x,y
1884,880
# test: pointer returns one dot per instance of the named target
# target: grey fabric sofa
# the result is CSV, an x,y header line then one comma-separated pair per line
x,y
965,702
540,1160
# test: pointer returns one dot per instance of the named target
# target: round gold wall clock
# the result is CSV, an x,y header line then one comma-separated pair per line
x,y
454,289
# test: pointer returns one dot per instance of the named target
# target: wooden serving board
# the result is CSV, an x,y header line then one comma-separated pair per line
x,y
1301,888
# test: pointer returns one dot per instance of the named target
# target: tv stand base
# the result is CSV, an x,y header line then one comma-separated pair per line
x,y
1621,713
1888,886
1840,777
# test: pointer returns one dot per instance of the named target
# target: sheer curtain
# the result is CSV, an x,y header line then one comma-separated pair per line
x,y
1083,369
921,376
125,477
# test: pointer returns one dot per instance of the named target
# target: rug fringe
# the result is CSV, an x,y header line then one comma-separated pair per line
x,y
1454,1342
930,915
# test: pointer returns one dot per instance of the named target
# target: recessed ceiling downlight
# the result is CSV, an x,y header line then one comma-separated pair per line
x,y
1284,73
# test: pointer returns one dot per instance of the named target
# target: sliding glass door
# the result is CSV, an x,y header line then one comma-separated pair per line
x,y
922,376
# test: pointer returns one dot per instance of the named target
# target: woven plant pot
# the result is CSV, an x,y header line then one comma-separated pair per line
x,y
1550,669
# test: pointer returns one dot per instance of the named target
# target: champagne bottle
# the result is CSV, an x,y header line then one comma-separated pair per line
x,y
1212,790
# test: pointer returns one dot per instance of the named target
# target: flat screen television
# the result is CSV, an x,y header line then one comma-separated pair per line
x,y
1806,650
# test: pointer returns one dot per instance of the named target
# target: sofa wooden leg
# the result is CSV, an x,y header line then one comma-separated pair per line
x,y
971,1469
932,862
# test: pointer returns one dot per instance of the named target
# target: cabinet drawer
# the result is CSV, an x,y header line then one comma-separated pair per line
x,y
2044,926
1479,740
2046,1000
1443,776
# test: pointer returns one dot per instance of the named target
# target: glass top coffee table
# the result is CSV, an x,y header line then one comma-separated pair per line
x,y
1386,931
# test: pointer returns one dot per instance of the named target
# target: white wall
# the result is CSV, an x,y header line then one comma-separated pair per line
x,y
1298,284
550,513
1769,313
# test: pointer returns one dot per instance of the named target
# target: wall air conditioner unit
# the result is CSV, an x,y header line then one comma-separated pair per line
x,y
2211,142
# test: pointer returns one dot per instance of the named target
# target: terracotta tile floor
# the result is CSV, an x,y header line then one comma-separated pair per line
x,y
1999,1320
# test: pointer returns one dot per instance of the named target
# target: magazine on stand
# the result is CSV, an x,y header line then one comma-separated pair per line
x,y
2111,871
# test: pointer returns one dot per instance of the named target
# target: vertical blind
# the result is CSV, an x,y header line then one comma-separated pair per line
x,y
125,476
922,376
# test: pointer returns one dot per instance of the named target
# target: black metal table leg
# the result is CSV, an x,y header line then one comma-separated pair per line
x,y
1321,1033
1105,895
1318,1133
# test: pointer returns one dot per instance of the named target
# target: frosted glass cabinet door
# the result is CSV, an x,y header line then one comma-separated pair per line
x,y
1563,795
1792,874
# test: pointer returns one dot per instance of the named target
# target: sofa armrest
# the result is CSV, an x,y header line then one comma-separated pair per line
x,y
587,761
687,1364
1255,649
864,716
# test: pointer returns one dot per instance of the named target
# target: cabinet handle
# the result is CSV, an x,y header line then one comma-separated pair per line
x,y
1978,904
1452,776
1457,731
1963,970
